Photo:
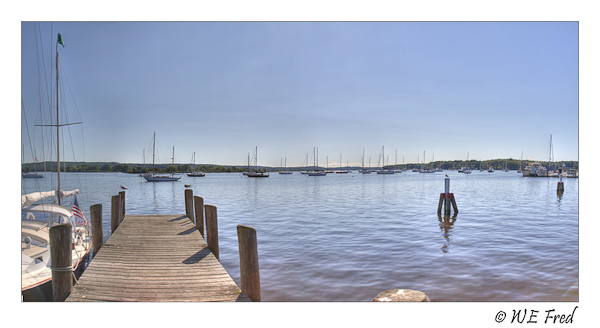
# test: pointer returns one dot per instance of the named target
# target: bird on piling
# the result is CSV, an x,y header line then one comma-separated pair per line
x,y
123,187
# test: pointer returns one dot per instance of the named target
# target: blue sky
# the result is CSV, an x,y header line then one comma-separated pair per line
x,y
487,89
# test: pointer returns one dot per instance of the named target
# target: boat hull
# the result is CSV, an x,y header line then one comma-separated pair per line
x,y
257,175
43,291
159,179
385,172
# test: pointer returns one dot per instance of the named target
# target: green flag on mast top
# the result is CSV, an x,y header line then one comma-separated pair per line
x,y
60,40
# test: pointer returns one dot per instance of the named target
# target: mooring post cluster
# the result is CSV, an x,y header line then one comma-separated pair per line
x,y
447,199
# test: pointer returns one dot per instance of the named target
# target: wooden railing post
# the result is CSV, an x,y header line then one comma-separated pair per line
x,y
189,203
249,272
199,210
97,233
115,213
212,230
60,253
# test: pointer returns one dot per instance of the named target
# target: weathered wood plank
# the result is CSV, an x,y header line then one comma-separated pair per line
x,y
156,258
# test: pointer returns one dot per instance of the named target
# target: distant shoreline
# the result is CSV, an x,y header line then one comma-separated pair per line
x,y
497,164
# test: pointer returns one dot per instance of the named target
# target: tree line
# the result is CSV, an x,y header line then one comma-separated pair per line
x,y
128,168
496,164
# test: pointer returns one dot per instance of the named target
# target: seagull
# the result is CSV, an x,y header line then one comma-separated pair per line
x,y
123,187
446,175
187,186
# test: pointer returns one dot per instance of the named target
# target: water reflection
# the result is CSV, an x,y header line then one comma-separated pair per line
x,y
559,194
446,225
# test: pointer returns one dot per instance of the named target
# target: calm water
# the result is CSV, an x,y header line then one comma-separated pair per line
x,y
347,237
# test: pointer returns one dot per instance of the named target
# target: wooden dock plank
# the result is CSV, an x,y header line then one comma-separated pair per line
x,y
156,258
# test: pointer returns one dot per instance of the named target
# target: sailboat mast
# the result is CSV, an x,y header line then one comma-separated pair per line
x,y
57,132
550,153
363,159
153,150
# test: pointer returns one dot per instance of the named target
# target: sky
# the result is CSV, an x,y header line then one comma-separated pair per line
x,y
485,90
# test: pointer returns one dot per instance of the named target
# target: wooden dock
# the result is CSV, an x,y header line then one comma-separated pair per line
x,y
156,258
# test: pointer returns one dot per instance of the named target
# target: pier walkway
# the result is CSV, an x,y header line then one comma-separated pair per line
x,y
156,258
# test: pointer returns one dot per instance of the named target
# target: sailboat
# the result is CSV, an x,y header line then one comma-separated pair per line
x,y
255,172
195,173
363,170
153,177
36,220
340,171
315,172
467,170
383,169
285,170
423,169
520,170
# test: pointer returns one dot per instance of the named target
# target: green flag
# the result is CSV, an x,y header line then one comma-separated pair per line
x,y
60,40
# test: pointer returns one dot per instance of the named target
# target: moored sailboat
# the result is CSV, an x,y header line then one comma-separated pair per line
x,y
154,177
37,218
255,172
383,169
316,172
285,170
195,172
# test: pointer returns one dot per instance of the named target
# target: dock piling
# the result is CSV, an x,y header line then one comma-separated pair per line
x,y
60,252
122,200
212,229
249,270
97,233
199,211
189,203
115,213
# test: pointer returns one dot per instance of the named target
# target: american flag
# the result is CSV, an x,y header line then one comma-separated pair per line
x,y
80,217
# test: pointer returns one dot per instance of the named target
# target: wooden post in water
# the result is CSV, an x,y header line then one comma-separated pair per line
x,y
249,272
96,221
189,203
122,195
401,295
212,230
60,253
199,210
115,213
